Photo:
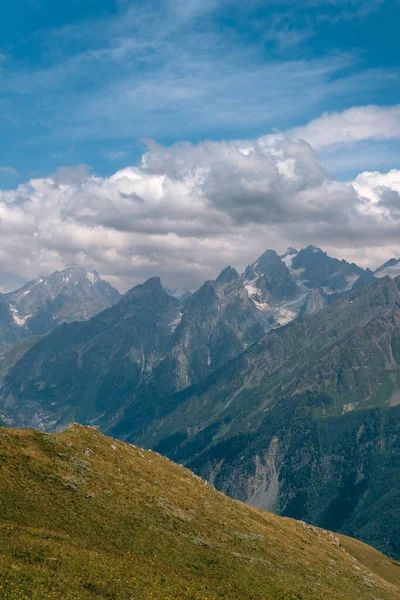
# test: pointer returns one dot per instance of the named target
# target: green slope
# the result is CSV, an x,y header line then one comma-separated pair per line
x,y
83,516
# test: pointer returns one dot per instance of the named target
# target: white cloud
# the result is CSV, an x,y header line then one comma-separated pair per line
x,y
372,185
189,210
352,125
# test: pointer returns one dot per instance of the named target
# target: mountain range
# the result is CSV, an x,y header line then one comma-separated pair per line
x,y
116,359
72,294
306,422
280,386
279,287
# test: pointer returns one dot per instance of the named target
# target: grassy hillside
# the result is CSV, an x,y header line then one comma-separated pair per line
x,y
83,516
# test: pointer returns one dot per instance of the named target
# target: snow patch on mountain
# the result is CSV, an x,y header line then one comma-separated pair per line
x,y
288,257
288,260
350,281
285,316
252,289
391,271
92,277
174,324
261,305
18,320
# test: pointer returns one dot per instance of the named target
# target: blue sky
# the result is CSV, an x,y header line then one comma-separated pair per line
x,y
87,81
175,137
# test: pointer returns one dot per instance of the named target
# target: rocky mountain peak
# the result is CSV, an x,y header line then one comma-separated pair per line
x,y
151,292
390,268
227,275
77,272
266,260
268,281
289,252
70,294
320,270
153,284
313,249
205,298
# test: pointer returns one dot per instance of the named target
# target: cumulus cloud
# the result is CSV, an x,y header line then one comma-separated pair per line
x,y
352,125
188,210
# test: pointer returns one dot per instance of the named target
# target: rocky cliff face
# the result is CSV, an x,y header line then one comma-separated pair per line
x,y
9,331
226,316
85,370
390,268
306,421
218,322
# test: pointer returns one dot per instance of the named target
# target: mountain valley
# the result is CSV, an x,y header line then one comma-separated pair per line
x,y
279,386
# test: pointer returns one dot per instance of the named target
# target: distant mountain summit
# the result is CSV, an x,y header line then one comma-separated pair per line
x,y
179,293
72,294
317,269
227,275
390,268
155,354
282,287
99,364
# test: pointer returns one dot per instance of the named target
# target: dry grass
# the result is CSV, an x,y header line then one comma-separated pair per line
x,y
83,516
